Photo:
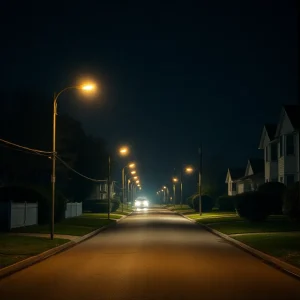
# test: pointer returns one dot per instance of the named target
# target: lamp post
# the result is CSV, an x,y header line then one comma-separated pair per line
x,y
123,151
84,87
175,180
131,165
200,180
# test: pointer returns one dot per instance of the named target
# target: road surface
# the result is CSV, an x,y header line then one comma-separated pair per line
x,y
151,255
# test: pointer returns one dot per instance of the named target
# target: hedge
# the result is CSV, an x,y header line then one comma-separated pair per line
x,y
291,202
252,206
273,193
226,203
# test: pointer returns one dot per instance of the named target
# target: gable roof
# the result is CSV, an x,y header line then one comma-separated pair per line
x,y
235,173
257,165
293,114
268,130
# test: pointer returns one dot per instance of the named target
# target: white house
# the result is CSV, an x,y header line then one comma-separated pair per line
x,y
231,177
282,149
240,181
101,189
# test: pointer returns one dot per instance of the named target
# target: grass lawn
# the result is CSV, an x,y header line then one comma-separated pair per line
x,y
285,246
229,223
77,226
184,209
17,248
277,236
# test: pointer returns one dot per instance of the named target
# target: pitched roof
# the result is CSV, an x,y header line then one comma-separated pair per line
x,y
257,164
271,130
293,112
236,173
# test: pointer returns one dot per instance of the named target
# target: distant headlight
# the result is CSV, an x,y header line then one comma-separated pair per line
x,y
137,203
146,203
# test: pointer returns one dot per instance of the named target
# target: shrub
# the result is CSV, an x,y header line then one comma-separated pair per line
x,y
190,202
206,201
100,205
115,203
226,203
291,202
252,206
273,192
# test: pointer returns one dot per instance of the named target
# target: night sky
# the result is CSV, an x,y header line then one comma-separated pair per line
x,y
172,73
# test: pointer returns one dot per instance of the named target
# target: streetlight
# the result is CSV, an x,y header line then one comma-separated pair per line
x,y
124,151
85,87
175,180
133,172
186,170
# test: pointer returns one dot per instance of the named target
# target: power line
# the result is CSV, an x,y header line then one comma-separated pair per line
x,y
26,148
24,151
69,167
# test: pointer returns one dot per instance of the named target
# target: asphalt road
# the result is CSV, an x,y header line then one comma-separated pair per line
x,y
151,255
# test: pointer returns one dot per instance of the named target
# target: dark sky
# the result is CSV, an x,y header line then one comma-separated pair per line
x,y
173,73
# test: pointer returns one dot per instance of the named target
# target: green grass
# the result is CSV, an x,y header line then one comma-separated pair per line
x,y
17,248
77,226
277,236
270,225
285,246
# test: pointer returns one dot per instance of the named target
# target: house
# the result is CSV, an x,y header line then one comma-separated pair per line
x,y
231,177
287,134
240,181
101,189
281,149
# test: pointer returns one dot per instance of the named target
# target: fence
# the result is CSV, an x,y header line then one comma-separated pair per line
x,y
23,214
73,210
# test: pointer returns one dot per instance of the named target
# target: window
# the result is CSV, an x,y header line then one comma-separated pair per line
x,y
290,144
281,146
274,148
267,153
290,179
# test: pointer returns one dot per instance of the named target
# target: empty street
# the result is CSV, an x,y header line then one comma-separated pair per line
x,y
154,254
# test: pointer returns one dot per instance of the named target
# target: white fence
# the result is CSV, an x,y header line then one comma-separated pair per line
x,y
73,210
23,214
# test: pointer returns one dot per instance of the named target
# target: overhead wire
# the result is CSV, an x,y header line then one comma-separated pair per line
x,y
25,148
78,173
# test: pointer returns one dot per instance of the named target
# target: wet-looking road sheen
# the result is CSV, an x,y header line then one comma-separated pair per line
x,y
152,254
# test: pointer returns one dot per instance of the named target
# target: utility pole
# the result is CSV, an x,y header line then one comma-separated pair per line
x,y
200,180
174,194
180,188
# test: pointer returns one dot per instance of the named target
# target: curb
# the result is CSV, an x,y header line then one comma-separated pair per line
x,y
268,259
9,270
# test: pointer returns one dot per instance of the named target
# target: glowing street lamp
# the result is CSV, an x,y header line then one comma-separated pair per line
x,y
189,170
88,87
124,151
133,172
